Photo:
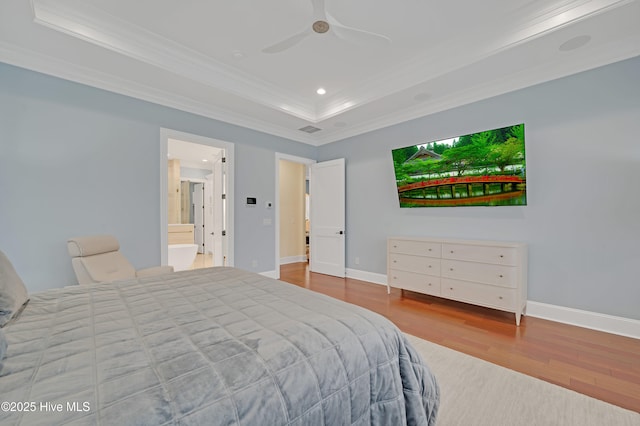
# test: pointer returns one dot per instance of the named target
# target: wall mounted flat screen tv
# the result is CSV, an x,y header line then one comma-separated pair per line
x,y
481,169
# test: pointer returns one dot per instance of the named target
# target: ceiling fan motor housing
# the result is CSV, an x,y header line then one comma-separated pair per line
x,y
320,27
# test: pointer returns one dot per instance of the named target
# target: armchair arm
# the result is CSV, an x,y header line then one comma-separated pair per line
x,y
155,270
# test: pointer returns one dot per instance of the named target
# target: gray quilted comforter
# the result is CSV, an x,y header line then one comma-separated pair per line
x,y
217,346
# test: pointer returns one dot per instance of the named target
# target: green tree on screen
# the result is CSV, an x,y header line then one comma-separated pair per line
x,y
507,153
401,155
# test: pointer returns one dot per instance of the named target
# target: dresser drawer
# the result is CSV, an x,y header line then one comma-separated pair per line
x,y
420,264
476,253
486,273
418,248
479,294
503,276
415,282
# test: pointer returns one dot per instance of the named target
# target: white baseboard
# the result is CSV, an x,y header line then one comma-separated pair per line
x,y
596,321
602,322
371,277
293,259
269,274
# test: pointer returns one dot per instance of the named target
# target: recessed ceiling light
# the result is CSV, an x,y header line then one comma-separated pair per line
x,y
321,91
575,43
204,160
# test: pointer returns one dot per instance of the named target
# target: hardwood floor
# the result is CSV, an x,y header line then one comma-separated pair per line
x,y
601,365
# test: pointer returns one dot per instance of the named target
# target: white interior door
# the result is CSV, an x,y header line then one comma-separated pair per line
x,y
327,218
198,215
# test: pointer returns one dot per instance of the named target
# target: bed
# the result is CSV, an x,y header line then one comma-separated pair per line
x,y
216,346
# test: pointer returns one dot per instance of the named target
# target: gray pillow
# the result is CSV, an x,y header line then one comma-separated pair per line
x,y
13,293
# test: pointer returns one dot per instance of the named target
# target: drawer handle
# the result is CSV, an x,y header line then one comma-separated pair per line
x,y
501,276
450,288
429,284
501,255
429,266
395,261
500,297
451,269
429,249
395,246
451,251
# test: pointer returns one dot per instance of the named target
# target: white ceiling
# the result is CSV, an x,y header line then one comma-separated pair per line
x,y
207,57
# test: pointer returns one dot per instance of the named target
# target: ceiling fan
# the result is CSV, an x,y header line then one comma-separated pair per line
x,y
322,23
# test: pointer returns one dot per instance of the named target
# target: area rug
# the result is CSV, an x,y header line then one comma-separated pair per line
x,y
477,393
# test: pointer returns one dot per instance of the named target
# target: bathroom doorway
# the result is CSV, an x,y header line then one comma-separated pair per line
x,y
196,201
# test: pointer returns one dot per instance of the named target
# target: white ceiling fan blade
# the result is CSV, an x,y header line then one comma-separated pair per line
x,y
287,42
319,10
356,35
359,36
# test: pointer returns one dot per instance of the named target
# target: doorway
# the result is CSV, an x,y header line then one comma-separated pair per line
x,y
291,230
208,173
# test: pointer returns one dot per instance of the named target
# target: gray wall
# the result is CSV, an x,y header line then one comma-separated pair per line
x,y
249,226
76,160
60,143
582,221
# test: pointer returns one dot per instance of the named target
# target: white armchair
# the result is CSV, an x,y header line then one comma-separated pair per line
x,y
97,259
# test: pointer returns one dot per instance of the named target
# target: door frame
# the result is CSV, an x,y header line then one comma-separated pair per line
x,y
208,222
165,135
218,212
203,214
276,205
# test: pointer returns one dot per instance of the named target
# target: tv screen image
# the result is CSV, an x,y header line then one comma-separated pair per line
x,y
480,169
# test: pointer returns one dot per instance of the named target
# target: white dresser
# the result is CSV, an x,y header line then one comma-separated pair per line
x,y
486,273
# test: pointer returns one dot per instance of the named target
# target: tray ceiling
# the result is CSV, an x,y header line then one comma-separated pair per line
x,y
380,62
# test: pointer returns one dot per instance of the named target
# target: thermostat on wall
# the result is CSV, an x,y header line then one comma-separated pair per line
x,y
251,201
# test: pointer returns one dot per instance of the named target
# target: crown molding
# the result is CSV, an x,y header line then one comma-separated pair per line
x,y
522,79
134,42
97,27
90,24
56,67
422,69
